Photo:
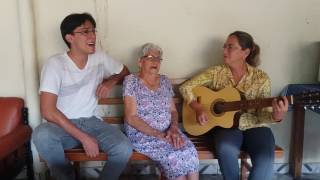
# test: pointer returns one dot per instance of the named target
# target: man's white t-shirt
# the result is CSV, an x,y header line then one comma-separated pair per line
x,y
76,88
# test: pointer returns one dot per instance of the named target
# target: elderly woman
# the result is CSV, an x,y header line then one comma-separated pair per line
x,y
151,118
241,55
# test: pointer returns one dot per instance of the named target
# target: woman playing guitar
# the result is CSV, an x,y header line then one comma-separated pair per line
x,y
241,56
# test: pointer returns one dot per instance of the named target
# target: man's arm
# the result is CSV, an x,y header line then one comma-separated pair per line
x,y
50,112
105,87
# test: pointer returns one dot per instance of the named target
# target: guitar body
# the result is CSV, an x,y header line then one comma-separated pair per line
x,y
207,98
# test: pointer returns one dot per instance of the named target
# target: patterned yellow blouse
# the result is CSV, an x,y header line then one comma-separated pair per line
x,y
254,84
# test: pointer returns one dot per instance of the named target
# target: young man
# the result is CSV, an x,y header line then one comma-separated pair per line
x,y
70,86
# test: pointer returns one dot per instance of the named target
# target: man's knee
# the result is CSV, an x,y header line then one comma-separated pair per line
x,y
42,134
125,147
39,135
116,143
123,150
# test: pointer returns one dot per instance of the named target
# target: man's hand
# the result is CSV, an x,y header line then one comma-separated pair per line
x,y
174,137
104,89
279,107
90,146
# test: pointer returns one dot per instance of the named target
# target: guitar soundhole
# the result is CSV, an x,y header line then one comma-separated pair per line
x,y
216,107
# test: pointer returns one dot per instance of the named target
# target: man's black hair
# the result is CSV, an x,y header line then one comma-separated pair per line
x,y
73,21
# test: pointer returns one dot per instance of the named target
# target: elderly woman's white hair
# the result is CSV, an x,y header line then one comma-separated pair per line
x,y
148,47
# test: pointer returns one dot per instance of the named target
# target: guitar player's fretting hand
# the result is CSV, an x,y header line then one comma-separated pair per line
x,y
202,116
279,108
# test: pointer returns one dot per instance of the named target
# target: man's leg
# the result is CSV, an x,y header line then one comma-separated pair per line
x,y
114,143
260,144
227,144
50,141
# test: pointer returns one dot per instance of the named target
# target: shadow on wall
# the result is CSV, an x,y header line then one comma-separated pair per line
x,y
211,54
317,58
133,56
306,64
311,147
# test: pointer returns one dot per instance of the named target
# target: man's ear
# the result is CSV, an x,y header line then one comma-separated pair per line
x,y
69,38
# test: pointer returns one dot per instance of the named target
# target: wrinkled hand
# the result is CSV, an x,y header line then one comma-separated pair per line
x,y
90,146
175,137
104,89
162,136
279,107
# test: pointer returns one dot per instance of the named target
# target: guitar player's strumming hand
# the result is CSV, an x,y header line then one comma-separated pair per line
x,y
201,115
279,108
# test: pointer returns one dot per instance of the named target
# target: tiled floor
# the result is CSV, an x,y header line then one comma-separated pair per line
x,y
215,177
202,177
304,177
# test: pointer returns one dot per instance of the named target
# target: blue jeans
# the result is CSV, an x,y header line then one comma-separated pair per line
x,y
257,142
51,140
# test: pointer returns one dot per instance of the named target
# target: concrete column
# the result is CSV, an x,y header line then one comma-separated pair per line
x,y
30,68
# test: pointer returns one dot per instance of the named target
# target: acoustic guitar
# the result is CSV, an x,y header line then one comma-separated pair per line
x,y
222,106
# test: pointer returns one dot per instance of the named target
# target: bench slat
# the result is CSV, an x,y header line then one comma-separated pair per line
x,y
113,119
119,101
78,154
110,101
117,119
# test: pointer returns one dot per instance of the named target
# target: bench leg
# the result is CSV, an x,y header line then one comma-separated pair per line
x,y
29,161
76,166
244,169
162,176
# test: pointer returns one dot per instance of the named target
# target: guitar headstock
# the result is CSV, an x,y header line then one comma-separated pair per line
x,y
310,99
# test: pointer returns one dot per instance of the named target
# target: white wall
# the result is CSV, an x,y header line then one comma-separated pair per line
x,y
11,68
191,33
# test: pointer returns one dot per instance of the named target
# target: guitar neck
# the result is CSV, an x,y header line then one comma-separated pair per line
x,y
250,104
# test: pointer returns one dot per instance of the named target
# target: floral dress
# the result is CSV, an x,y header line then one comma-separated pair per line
x,y
153,107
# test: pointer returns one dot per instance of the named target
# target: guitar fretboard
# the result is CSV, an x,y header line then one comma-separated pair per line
x,y
247,104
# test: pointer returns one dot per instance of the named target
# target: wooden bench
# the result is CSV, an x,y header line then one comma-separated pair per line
x,y
202,144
